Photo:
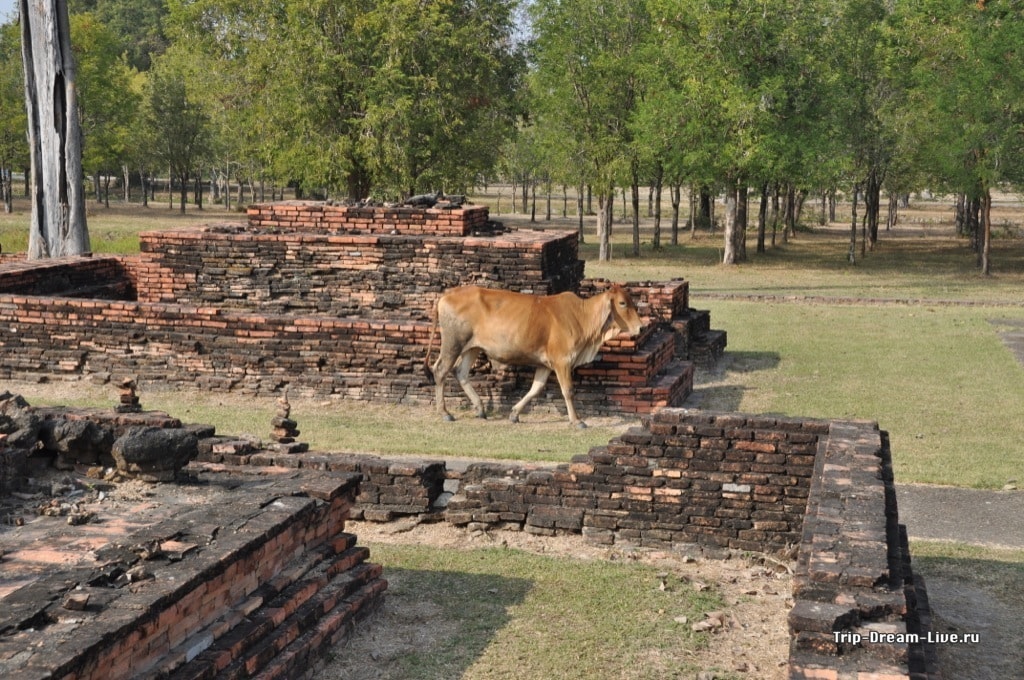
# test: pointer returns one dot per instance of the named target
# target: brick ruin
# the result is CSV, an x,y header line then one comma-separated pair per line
x,y
228,572
232,307
245,564
327,301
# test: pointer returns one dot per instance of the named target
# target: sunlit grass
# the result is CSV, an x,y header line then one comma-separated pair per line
x,y
936,377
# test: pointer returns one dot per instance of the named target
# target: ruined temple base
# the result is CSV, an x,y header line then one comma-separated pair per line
x,y
230,572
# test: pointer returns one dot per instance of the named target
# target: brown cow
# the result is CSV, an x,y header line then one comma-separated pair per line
x,y
554,333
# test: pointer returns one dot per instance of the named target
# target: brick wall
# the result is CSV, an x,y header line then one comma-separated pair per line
x,y
79,277
723,481
719,480
321,216
364,275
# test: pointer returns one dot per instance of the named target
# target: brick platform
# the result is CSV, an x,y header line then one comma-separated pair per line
x,y
320,216
323,304
232,572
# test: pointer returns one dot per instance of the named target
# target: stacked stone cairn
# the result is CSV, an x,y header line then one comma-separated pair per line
x,y
129,400
284,430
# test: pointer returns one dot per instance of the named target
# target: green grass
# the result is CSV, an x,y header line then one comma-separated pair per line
x,y
336,425
936,377
507,613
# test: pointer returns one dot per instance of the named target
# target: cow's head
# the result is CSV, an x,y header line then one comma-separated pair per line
x,y
624,316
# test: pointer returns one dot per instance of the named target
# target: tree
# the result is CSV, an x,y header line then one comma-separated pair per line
x,y
587,83
965,83
58,224
358,96
13,150
108,101
178,125
137,23
442,97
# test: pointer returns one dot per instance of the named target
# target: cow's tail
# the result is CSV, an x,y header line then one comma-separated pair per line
x,y
430,345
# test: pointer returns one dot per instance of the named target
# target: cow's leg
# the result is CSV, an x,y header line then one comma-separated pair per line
x,y
442,367
462,373
540,379
564,375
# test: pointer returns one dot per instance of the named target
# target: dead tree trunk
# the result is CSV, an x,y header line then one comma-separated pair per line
x,y
58,227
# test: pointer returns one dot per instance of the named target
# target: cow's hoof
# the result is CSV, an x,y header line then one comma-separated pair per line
x,y
580,425
481,415
449,418
514,418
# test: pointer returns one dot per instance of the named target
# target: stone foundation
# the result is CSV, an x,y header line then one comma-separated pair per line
x,y
228,572
313,298
689,481
711,483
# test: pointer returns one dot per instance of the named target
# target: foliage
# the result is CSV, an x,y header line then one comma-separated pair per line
x,y
108,102
586,87
177,123
13,150
391,97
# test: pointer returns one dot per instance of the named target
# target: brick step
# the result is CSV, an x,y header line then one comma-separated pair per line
x,y
333,627
632,368
671,387
708,348
247,639
352,593
287,590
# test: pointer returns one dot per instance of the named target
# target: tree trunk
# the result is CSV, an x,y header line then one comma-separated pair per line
x,y
605,208
762,218
635,193
58,225
533,201
773,216
873,200
705,217
675,191
184,190
579,212
127,183
729,254
893,215
656,237
6,190
986,230
741,221
852,255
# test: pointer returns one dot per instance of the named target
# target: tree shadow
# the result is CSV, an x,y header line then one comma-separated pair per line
x,y
433,624
721,387
974,596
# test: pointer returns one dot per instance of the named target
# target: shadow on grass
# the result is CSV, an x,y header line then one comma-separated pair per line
x,y
974,595
722,388
434,624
